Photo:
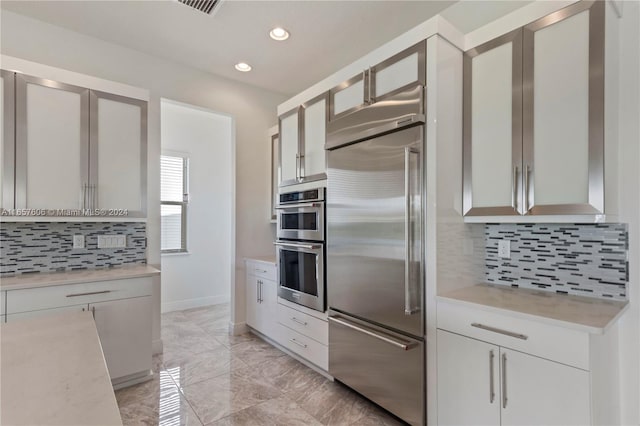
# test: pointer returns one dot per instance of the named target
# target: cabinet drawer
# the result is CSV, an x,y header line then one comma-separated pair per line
x,y
546,341
304,324
307,348
33,299
262,270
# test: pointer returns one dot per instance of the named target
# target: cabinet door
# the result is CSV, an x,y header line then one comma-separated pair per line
x,y
52,144
563,120
267,308
492,148
348,96
119,153
314,164
252,301
536,391
124,328
45,312
7,149
399,72
468,381
289,147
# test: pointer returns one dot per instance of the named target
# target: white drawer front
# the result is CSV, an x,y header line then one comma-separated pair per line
x,y
546,341
307,348
34,299
262,270
304,324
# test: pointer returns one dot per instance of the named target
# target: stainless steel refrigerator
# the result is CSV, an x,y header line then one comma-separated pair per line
x,y
375,252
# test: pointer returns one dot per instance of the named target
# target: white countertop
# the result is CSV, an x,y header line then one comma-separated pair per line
x,y
265,259
44,279
574,312
53,372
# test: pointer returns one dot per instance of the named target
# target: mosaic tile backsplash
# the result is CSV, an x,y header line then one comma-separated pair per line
x,y
48,247
585,260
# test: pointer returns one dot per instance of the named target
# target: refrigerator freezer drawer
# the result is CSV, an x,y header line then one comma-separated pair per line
x,y
386,367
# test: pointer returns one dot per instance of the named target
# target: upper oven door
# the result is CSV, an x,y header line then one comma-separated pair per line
x,y
302,221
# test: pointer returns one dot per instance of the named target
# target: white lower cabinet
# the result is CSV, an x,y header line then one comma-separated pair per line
x,y
484,384
497,368
122,310
296,328
261,297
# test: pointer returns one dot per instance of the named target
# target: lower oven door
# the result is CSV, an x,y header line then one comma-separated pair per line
x,y
301,273
384,366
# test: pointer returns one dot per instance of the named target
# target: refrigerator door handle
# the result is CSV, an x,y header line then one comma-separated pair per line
x,y
405,346
409,309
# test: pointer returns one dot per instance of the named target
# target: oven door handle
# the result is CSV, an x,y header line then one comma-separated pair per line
x,y
295,206
297,245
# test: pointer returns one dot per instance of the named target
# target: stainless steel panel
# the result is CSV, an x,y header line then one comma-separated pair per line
x,y
388,115
514,37
93,146
595,204
386,367
366,242
22,138
8,140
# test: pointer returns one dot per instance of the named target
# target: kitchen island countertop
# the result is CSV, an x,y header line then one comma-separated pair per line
x,y
53,372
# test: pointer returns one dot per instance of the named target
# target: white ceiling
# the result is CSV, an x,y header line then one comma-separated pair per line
x,y
325,35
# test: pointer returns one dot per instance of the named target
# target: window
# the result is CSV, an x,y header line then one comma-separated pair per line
x,y
174,197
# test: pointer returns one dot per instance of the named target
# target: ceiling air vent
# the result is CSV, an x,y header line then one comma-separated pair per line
x,y
205,6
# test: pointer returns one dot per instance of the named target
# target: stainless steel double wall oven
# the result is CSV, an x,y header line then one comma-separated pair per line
x,y
300,247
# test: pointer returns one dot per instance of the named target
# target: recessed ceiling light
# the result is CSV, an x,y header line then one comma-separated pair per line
x,y
279,33
243,66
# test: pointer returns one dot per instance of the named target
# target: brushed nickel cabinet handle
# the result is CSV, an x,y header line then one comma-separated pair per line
x,y
514,188
527,170
504,381
294,319
500,331
302,345
492,393
89,293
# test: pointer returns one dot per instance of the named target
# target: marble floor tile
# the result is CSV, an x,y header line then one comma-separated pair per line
x,y
203,366
156,402
289,375
221,396
207,377
276,412
255,352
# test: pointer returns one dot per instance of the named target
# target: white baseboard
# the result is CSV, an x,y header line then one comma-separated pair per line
x,y
237,328
157,347
180,305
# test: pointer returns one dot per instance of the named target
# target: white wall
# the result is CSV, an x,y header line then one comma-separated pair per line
x,y
253,109
203,275
629,177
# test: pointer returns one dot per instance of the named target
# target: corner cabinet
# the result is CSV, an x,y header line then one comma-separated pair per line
x,y
69,148
122,310
302,133
261,297
534,118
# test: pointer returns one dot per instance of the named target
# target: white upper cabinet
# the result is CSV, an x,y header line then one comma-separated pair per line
x,y
302,137
315,117
118,136
349,96
66,148
492,128
563,121
7,148
534,118
52,138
